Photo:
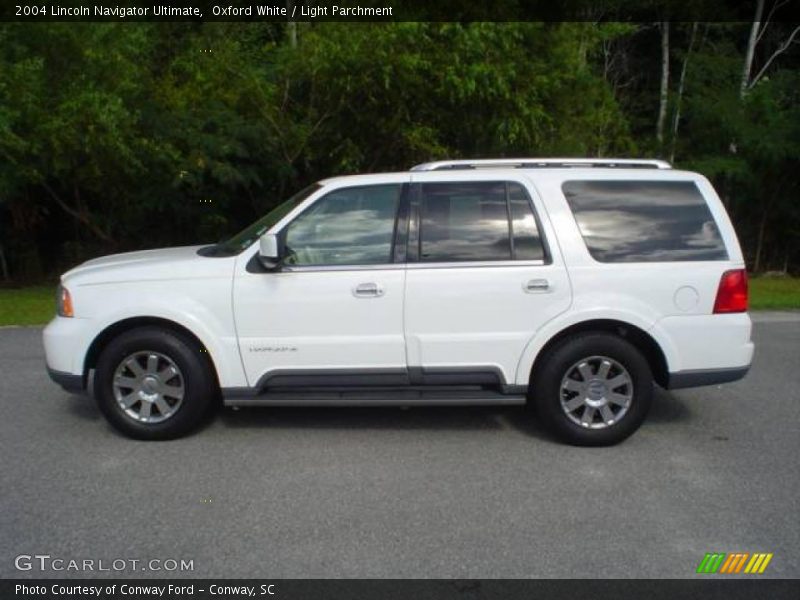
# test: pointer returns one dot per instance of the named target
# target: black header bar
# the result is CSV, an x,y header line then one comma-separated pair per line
x,y
32,11
387,589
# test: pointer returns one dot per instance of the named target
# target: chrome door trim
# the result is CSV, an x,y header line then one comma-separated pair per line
x,y
400,266
334,268
477,264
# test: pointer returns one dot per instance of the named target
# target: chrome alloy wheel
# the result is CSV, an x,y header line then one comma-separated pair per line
x,y
596,392
148,386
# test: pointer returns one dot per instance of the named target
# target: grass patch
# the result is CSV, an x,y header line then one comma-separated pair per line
x,y
36,305
27,306
774,293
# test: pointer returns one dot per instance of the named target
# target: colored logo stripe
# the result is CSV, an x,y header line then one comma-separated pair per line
x,y
720,562
758,564
734,563
710,563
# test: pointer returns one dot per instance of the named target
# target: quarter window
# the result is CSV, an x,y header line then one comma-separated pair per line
x,y
527,241
644,221
349,226
477,221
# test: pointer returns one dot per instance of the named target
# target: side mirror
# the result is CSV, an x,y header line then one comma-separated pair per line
x,y
268,253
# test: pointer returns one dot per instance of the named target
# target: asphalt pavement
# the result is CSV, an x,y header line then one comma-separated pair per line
x,y
425,492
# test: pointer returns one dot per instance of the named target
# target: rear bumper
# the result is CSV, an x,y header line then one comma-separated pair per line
x,y
700,345
71,383
701,377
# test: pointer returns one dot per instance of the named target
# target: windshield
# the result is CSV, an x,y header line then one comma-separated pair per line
x,y
252,232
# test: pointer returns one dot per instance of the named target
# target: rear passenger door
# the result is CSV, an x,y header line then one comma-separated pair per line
x,y
483,276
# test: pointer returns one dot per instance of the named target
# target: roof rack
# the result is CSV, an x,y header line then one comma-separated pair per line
x,y
543,163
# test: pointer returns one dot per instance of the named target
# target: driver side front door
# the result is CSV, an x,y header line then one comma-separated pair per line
x,y
333,315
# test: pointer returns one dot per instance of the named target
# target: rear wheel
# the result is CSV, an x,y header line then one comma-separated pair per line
x,y
593,389
151,383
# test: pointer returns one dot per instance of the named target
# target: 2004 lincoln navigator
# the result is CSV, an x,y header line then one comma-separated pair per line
x,y
571,284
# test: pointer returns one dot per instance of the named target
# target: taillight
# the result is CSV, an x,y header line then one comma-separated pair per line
x,y
732,292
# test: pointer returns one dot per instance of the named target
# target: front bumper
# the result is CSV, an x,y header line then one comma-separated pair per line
x,y
69,382
65,345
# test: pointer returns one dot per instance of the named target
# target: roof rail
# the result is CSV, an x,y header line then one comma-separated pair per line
x,y
543,163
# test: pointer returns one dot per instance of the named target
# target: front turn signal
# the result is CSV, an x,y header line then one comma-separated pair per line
x,y
64,303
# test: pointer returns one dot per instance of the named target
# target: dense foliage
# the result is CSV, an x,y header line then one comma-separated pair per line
x,y
121,136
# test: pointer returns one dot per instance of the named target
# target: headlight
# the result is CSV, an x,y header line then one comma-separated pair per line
x,y
64,302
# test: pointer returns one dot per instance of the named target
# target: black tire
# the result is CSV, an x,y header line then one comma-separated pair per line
x,y
559,360
199,383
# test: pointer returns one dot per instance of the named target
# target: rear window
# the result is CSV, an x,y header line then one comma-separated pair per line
x,y
644,221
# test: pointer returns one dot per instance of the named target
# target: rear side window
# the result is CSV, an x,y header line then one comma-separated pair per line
x,y
644,221
477,221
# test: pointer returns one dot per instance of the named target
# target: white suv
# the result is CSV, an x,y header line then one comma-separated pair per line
x,y
572,284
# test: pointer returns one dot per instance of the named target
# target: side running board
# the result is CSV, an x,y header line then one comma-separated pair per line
x,y
374,397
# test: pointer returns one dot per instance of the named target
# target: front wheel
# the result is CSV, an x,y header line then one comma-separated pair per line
x,y
151,383
593,389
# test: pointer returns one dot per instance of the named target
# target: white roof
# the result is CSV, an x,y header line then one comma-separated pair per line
x,y
533,163
559,168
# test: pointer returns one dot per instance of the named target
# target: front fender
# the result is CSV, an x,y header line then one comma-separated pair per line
x,y
198,306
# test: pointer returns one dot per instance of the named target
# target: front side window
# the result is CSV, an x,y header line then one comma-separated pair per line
x,y
644,221
349,226
477,221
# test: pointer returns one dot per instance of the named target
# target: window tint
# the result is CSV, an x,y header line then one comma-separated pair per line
x,y
350,226
469,221
464,221
644,221
527,241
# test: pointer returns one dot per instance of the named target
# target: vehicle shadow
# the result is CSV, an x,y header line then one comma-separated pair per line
x,y
457,418
667,408
81,406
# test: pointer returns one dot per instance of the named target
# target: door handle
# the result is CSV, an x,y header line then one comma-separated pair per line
x,y
537,285
368,290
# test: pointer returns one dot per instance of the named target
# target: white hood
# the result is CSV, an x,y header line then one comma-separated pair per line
x,y
164,263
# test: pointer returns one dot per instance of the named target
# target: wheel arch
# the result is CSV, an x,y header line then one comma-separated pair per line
x,y
101,340
637,336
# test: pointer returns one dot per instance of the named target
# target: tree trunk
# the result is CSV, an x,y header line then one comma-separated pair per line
x,y
81,216
787,43
760,241
291,26
751,48
664,94
681,84
4,265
